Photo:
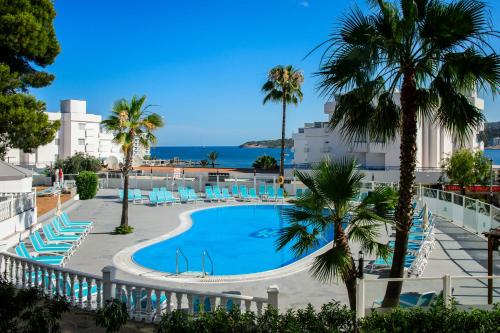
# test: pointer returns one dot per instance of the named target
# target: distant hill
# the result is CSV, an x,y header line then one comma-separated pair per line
x,y
491,130
267,144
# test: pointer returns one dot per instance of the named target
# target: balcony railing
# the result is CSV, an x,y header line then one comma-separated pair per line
x,y
12,204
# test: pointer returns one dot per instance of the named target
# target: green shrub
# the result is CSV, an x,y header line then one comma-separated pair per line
x,y
29,310
86,185
124,230
112,316
334,317
265,162
77,163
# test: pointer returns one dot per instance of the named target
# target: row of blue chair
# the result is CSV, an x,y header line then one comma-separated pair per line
x,y
60,239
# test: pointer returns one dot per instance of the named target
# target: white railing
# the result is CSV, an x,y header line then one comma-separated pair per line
x,y
144,301
366,301
54,280
15,204
468,213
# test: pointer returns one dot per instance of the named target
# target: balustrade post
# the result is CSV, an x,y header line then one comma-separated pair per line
x,y
259,309
178,297
11,272
149,303
89,293
80,291
360,298
108,274
158,302
24,269
248,303
99,293
272,296
190,304
72,289
50,289
447,294
2,264
213,301
18,264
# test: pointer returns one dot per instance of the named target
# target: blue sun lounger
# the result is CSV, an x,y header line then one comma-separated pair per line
x,y
51,236
271,195
209,194
262,190
413,299
68,222
244,194
41,247
60,230
22,251
153,198
226,196
252,194
235,191
280,195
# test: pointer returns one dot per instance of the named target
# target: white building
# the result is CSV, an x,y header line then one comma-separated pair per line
x,y
496,141
79,132
139,150
315,141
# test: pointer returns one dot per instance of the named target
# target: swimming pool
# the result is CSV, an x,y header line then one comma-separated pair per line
x,y
239,240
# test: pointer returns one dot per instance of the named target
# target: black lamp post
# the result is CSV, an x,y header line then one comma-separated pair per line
x,y
361,264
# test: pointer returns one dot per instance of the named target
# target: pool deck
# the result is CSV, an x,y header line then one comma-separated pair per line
x,y
457,252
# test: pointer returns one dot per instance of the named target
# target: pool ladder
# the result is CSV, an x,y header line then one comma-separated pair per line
x,y
207,255
204,255
177,254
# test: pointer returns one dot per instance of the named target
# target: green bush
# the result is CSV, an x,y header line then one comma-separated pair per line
x,y
112,316
334,317
86,185
265,162
124,230
29,310
77,163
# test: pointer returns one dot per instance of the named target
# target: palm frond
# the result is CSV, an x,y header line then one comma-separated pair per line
x,y
331,265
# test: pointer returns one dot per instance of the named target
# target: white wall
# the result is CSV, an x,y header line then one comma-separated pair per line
x,y
19,185
18,223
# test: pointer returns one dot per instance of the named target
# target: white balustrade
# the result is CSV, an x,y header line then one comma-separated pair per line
x,y
143,301
15,203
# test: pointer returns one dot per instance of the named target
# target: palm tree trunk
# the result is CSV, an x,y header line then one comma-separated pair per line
x,y
282,157
349,276
404,209
126,168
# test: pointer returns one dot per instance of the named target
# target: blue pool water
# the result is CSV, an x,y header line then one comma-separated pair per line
x,y
240,240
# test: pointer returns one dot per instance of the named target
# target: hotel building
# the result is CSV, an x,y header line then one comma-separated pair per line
x,y
79,132
315,141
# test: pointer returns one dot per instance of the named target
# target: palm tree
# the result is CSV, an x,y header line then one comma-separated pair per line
x,y
433,53
283,86
265,162
325,208
213,156
130,121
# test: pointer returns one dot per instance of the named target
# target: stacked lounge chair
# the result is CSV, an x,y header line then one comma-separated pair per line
x,y
421,241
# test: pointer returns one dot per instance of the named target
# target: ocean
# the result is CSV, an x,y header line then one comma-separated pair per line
x,y
493,154
236,157
229,156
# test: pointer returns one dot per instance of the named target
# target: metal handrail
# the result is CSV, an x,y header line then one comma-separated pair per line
x,y
205,253
179,251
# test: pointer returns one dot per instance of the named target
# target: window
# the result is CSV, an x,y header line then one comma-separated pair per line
x,y
57,142
81,142
81,126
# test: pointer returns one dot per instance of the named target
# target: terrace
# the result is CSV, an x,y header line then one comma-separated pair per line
x,y
458,252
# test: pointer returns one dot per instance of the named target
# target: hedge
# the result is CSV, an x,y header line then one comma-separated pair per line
x,y
86,185
334,317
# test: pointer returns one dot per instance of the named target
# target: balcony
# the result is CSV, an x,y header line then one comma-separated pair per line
x,y
90,133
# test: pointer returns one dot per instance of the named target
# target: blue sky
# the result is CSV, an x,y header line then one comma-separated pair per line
x,y
201,62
